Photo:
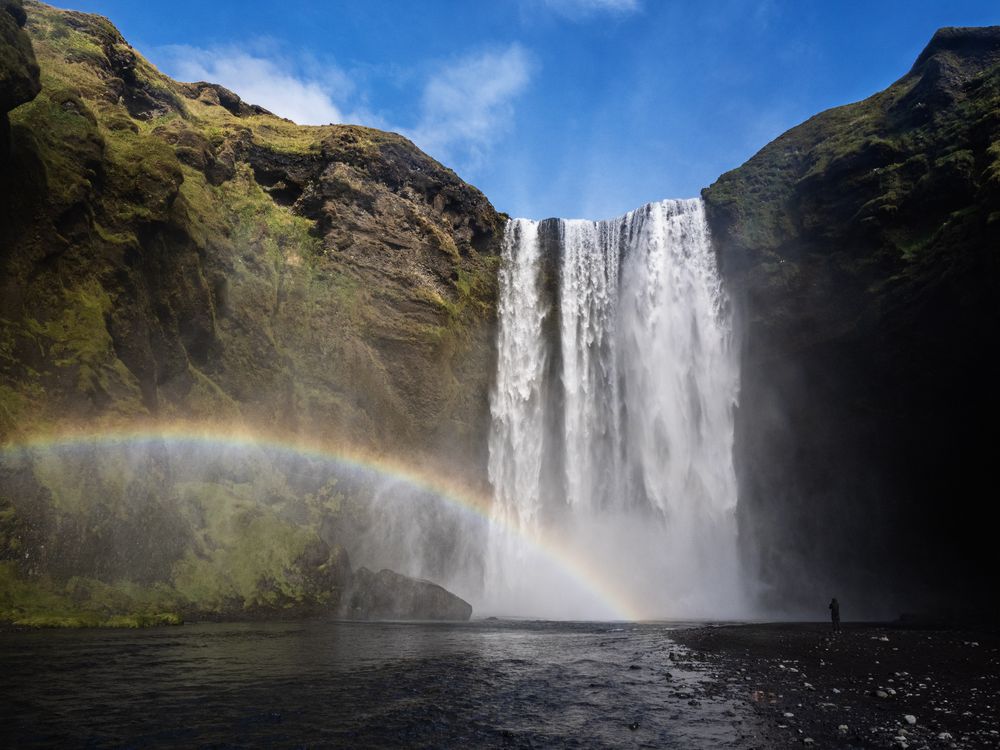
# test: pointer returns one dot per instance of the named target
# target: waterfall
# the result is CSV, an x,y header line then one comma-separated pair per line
x,y
612,421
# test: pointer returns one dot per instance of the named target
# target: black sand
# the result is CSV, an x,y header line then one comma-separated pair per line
x,y
869,686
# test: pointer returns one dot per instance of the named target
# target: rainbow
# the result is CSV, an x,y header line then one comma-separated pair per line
x,y
451,492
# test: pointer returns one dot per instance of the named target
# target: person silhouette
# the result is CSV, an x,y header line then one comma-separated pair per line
x,y
835,614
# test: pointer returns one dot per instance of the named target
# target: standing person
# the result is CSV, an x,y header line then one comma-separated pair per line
x,y
835,614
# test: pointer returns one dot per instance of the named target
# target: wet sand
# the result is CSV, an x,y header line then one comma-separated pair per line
x,y
869,686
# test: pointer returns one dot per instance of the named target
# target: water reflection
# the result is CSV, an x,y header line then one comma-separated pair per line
x,y
482,684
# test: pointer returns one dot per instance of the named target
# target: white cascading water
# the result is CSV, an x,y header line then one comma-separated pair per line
x,y
612,436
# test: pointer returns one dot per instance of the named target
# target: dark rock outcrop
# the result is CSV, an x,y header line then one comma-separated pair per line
x,y
861,248
19,74
214,94
388,595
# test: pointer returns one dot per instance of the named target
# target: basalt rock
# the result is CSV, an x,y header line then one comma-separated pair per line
x,y
19,73
388,595
214,94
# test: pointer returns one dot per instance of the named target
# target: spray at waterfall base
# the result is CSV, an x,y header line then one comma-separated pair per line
x,y
613,414
610,451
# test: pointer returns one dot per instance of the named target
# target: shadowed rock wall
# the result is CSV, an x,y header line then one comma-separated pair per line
x,y
861,249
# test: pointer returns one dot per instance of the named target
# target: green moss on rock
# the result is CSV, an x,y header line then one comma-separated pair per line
x,y
171,252
333,279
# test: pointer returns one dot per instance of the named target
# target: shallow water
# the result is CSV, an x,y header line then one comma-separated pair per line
x,y
323,684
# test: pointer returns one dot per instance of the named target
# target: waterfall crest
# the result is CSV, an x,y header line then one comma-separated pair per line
x,y
612,419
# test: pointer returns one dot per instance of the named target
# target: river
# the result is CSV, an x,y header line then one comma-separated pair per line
x,y
487,683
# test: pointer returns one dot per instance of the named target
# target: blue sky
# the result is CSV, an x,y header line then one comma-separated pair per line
x,y
572,108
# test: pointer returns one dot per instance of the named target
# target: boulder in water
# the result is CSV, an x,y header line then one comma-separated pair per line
x,y
388,595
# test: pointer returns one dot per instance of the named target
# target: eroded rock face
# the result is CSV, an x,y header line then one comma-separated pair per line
x,y
230,264
19,74
218,265
861,250
19,82
388,595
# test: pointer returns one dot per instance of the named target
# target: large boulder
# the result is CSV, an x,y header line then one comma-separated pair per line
x,y
388,595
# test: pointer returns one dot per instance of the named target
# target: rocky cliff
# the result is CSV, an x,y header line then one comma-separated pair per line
x,y
167,250
171,253
861,248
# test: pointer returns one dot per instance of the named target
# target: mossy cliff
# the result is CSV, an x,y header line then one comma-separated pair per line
x,y
167,250
861,248
170,252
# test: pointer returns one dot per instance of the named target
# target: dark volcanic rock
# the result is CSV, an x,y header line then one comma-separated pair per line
x,y
213,93
19,73
388,595
19,81
870,686
861,248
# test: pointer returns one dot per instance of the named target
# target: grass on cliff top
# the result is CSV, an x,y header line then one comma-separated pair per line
x,y
862,146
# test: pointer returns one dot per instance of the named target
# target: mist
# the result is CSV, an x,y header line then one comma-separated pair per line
x,y
613,420
213,518
610,459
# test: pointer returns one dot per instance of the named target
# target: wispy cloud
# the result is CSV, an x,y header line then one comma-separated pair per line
x,y
300,88
468,104
586,9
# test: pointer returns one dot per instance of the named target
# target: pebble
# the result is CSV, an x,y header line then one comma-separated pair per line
x,y
910,719
944,736
842,728
881,694
788,715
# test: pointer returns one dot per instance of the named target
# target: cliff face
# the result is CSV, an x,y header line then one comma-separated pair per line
x,y
18,70
169,252
861,248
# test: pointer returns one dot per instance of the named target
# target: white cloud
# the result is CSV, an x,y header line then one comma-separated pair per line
x,y
273,82
468,104
582,9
